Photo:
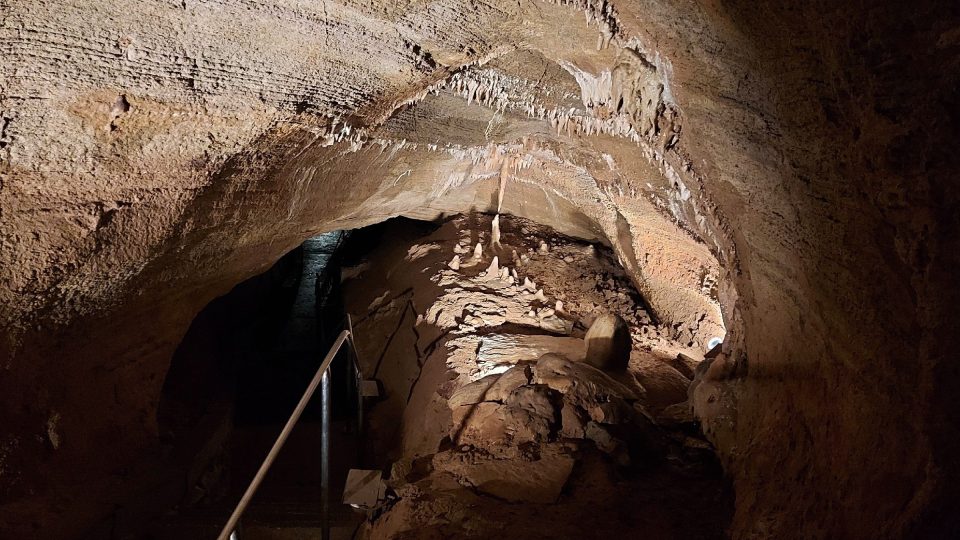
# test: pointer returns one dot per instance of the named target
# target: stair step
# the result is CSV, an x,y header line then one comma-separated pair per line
x,y
265,521
257,532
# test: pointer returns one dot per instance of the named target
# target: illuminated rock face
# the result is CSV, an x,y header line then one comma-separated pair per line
x,y
792,164
486,392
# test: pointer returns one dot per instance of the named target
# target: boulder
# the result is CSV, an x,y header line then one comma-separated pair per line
x,y
514,480
676,415
473,393
685,364
528,415
496,387
571,422
664,384
578,380
608,343
538,400
508,381
607,443
604,399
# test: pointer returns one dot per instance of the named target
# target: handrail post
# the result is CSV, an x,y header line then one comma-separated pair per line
x,y
325,456
321,374
358,378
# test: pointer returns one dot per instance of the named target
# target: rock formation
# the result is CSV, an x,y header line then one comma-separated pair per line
x,y
482,409
782,174
608,343
493,271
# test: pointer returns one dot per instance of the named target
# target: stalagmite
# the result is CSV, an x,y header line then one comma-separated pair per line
x,y
504,273
455,263
495,231
540,296
513,273
544,248
559,306
460,250
529,285
608,343
478,252
494,269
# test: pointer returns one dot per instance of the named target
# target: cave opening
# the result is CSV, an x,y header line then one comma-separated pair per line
x,y
442,310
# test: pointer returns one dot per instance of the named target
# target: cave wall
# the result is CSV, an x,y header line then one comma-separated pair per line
x,y
154,154
843,217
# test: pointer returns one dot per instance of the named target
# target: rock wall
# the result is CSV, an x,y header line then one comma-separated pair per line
x,y
792,161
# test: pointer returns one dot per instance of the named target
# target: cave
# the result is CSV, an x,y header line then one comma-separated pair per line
x,y
754,204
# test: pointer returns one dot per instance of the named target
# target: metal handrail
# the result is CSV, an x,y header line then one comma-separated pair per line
x,y
320,376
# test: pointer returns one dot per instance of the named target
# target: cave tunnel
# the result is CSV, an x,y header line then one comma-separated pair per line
x,y
667,269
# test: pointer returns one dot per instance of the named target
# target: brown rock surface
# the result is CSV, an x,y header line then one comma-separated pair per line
x,y
608,343
579,380
522,419
792,161
664,384
513,480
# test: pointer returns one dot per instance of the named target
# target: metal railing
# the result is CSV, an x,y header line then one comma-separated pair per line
x,y
320,379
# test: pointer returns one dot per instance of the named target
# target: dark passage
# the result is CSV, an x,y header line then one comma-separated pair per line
x,y
235,379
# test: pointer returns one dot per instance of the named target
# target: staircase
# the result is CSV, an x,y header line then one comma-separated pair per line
x,y
288,502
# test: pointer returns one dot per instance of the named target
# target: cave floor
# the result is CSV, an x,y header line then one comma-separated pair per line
x,y
287,505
